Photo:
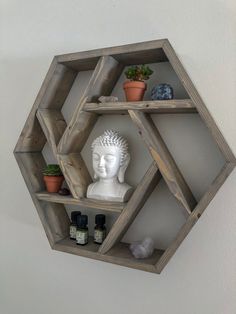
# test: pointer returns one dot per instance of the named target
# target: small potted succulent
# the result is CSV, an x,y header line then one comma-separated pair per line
x,y
53,178
135,87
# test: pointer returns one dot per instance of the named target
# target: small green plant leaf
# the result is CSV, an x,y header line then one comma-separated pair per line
x,y
138,73
52,170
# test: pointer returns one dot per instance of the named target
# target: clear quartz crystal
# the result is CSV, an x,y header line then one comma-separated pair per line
x,y
142,249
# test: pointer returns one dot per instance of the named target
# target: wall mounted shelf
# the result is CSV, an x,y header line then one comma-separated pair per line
x,y
46,123
83,202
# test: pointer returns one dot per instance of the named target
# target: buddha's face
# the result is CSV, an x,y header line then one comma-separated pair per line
x,y
106,161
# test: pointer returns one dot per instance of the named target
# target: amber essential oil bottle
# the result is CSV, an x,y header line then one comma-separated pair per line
x,y
100,229
82,230
73,224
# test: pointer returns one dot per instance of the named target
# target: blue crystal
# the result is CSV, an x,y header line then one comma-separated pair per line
x,y
162,92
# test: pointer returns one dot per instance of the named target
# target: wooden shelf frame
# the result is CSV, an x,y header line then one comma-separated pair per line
x,y
152,106
83,202
47,124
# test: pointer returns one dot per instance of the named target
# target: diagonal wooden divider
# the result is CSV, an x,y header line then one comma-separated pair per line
x,y
195,215
163,158
198,102
134,205
102,81
53,217
53,125
76,134
75,172
52,94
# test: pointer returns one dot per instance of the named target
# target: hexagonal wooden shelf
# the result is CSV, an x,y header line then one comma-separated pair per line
x,y
46,124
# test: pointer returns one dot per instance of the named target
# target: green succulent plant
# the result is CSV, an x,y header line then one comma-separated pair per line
x,y
52,170
138,73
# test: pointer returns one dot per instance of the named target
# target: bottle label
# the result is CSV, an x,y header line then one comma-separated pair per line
x,y
99,235
73,232
81,237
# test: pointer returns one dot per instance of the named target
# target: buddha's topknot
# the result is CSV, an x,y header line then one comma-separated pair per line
x,y
112,138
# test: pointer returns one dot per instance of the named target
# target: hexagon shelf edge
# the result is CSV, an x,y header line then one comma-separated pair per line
x,y
46,123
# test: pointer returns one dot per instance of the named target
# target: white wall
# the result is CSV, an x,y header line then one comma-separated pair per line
x,y
200,278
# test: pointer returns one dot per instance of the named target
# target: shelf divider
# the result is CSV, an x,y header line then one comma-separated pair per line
x,y
134,205
160,153
104,78
75,172
53,125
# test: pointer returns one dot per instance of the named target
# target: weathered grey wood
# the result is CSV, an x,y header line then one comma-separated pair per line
x,y
174,246
145,52
52,94
82,202
31,166
141,57
102,81
58,87
151,106
195,215
53,216
134,205
53,124
108,64
57,218
86,64
32,138
119,255
163,158
197,100
77,133
213,189
75,172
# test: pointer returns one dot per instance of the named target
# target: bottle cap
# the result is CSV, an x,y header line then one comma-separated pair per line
x,y
82,221
74,215
100,219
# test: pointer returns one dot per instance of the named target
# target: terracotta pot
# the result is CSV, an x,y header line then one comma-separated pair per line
x,y
134,90
53,183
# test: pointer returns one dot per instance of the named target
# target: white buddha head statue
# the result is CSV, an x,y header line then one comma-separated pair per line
x,y
110,156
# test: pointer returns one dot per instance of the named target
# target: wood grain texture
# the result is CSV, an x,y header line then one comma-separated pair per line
x,y
176,243
119,254
102,82
213,189
164,160
58,87
52,94
82,202
53,216
32,138
86,64
197,100
150,51
151,106
141,57
134,205
77,133
75,172
53,124
195,215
